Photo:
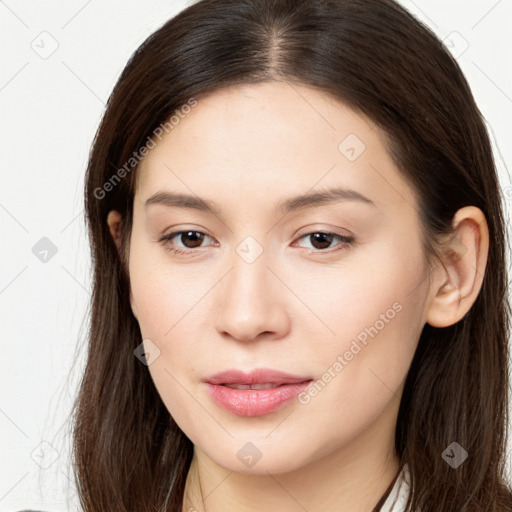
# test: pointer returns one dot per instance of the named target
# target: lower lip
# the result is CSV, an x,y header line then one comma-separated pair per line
x,y
254,402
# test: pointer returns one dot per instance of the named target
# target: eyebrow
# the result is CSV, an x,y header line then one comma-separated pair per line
x,y
307,200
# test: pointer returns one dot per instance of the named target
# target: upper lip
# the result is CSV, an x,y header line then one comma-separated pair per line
x,y
256,376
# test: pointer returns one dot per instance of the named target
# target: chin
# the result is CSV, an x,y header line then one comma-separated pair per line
x,y
251,455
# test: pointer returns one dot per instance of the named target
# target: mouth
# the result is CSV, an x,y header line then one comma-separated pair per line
x,y
251,386
259,392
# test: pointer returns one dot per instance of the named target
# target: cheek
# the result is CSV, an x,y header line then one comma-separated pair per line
x,y
164,304
376,317
380,289
164,294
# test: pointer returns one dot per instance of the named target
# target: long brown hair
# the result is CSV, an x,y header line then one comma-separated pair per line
x,y
128,453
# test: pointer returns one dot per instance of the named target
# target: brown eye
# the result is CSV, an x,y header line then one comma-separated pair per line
x,y
195,238
322,240
183,242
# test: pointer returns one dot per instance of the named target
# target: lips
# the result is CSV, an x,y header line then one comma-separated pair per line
x,y
256,393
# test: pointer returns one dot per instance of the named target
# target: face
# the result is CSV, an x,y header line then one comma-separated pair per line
x,y
331,291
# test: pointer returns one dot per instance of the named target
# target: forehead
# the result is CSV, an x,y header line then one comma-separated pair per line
x,y
277,138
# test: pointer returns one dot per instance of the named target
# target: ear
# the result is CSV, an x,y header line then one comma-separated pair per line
x,y
114,221
459,280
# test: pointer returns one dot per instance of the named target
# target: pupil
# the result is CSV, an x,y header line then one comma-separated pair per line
x,y
323,238
192,234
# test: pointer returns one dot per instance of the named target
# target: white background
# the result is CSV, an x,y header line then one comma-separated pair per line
x,y
51,108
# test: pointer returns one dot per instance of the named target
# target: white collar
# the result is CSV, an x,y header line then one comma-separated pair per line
x,y
397,498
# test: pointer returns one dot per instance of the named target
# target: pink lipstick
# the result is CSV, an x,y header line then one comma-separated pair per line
x,y
256,393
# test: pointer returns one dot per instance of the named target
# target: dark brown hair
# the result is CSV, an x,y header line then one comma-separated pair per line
x,y
129,454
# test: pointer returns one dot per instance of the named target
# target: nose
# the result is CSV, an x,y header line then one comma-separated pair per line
x,y
252,302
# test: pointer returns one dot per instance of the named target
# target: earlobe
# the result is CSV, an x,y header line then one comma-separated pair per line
x,y
114,221
461,276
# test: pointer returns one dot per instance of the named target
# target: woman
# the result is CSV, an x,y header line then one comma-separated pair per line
x,y
299,282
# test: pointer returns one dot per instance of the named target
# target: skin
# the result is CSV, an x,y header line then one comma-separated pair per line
x,y
247,148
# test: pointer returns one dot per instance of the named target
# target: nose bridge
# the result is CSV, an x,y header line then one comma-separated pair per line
x,y
249,301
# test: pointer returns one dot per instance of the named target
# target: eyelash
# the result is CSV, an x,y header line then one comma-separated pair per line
x,y
347,241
